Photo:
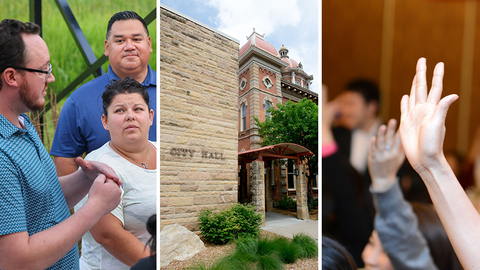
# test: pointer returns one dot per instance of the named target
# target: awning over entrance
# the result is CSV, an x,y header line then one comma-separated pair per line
x,y
271,152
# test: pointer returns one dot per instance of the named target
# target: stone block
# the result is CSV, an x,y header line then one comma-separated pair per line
x,y
178,243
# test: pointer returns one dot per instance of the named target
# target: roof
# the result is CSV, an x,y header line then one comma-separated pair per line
x,y
291,63
277,151
257,40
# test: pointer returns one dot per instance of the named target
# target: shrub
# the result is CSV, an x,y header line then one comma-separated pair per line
x,y
238,221
265,253
314,206
261,252
287,251
269,263
286,203
308,245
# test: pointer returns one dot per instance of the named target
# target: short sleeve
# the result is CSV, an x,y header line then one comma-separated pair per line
x,y
67,141
118,211
12,210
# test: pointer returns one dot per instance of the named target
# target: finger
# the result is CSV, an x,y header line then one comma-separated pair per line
x,y
103,168
437,84
381,137
392,124
421,81
101,179
110,173
372,148
110,181
442,108
411,99
82,162
403,107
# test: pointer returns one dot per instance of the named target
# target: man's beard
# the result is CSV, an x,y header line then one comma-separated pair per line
x,y
29,99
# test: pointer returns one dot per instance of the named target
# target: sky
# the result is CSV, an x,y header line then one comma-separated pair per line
x,y
291,23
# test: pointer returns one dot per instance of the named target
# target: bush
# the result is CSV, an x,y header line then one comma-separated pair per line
x,y
286,203
259,252
308,245
238,221
314,206
265,253
287,250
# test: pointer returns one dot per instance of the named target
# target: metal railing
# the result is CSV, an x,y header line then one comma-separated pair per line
x,y
94,64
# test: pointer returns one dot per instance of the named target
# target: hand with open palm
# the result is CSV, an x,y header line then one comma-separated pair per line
x,y
422,126
385,156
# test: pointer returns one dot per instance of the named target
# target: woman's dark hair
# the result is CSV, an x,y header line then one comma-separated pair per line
x,y
12,47
432,229
152,229
335,256
125,86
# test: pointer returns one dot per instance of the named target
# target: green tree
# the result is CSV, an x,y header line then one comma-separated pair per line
x,y
294,123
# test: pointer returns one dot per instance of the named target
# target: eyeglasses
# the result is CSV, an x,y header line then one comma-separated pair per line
x,y
48,72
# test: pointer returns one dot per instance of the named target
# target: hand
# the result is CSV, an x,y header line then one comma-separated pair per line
x,y
328,115
91,169
385,156
422,126
104,194
329,109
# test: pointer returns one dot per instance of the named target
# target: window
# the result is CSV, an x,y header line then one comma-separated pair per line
x,y
267,82
244,117
268,105
243,83
290,174
314,182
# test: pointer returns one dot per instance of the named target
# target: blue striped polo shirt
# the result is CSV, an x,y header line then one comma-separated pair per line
x,y
31,198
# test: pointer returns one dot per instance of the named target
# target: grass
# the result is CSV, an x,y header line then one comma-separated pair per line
x,y
264,253
67,61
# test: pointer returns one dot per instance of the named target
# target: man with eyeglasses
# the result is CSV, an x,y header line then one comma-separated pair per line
x,y
80,129
36,228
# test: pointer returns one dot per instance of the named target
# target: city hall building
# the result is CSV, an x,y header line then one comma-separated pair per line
x,y
210,151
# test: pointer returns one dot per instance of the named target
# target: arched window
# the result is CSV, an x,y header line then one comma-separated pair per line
x,y
244,116
268,105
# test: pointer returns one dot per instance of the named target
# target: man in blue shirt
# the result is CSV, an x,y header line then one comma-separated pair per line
x,y
79,129
36,228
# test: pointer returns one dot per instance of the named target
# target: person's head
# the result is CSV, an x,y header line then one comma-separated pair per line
x,y
24,63
359,104
373,255
152,229
335,256
431,228
127,114
128,45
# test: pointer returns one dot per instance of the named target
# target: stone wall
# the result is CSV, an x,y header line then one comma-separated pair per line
x,y
198,119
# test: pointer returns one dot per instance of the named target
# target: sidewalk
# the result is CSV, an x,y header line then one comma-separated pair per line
x,y
288,226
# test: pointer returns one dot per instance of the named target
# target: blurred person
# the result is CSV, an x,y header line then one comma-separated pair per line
x,y
335,256
346,201
80,129
422,131
118,240
36,228
435,253
405,237
149,263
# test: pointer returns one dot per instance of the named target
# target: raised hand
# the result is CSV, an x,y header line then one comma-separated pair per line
x,y
385,156
422,125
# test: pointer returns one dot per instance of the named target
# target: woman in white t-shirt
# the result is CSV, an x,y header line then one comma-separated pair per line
x,y
118,239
